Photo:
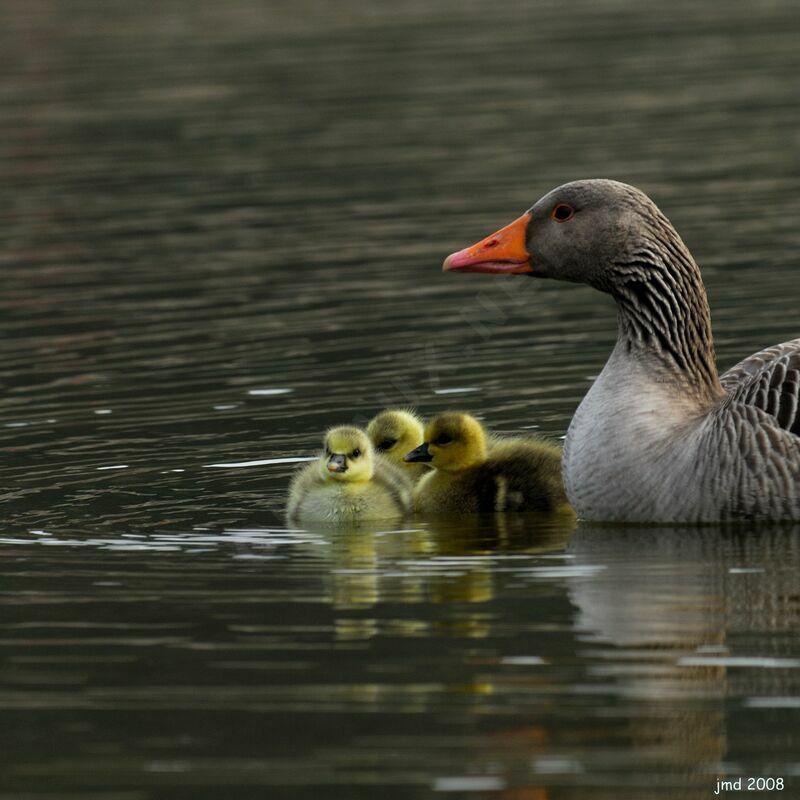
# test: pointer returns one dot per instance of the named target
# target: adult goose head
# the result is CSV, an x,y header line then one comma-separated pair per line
x,y
614,238
660,436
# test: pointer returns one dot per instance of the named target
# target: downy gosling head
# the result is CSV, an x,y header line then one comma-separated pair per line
x,y
394,433
453,441
348,455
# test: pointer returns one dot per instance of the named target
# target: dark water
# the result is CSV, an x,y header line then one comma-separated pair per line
x,y
222,225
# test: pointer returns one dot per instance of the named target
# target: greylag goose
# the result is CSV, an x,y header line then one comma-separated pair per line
x,y
660,436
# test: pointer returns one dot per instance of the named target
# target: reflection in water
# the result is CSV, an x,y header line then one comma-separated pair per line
x,y
455,549
514,648
695,642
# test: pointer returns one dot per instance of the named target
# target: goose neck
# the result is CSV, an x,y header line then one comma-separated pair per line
x,y
664,319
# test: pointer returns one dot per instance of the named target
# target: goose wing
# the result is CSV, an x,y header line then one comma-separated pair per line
x,y
770,381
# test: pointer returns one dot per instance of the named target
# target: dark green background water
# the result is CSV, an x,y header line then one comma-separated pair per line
x,y
203,203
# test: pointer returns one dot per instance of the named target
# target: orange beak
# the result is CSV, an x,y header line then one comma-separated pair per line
x,y
503,252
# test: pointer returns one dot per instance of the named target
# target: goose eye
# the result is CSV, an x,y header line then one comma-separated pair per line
x,y
387,444
356,453
562,212
443,439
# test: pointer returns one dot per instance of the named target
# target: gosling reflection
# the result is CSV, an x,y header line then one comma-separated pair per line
x,y
442,561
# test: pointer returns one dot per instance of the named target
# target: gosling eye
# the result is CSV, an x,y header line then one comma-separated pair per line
x,y
443,439
562,212
356,453
387,444
328,451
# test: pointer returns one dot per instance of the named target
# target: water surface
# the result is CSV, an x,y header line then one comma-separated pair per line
x,y
222,227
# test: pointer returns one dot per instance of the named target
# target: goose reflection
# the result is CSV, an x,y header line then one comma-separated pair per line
x,y
677,589
675,620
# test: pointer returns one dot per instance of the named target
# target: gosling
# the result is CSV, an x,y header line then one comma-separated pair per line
x,y
393,433
348,483
470,476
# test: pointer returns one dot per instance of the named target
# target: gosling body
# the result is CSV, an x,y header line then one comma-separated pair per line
x,y
394,433
473,474
348,483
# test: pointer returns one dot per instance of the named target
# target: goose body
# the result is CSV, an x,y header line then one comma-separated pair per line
x,y
732,462
660,436
474,475
348,483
